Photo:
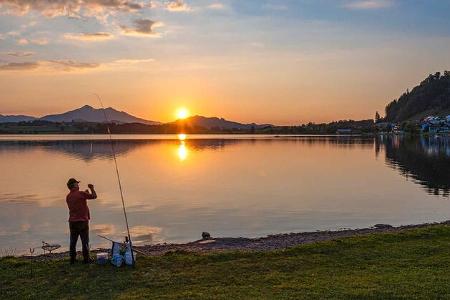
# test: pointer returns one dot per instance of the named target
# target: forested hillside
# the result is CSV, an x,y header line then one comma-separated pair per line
x,y
431,97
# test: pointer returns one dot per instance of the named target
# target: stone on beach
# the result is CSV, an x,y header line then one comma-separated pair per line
x,y
382,226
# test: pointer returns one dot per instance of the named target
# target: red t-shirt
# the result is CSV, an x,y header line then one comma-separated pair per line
x,y
78,209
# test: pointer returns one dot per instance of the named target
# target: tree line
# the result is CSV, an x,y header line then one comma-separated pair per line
x,y
430,97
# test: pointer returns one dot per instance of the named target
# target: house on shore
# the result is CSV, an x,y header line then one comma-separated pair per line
x,y
344,131
435,125
384,126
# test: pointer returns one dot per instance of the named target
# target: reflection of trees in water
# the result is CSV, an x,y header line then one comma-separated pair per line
x,y
334,141
101,149
426,160
85,150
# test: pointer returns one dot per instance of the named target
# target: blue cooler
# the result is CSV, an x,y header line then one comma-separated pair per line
x,y
102,258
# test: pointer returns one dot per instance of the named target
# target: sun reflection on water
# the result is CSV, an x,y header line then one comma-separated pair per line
x,y
182,149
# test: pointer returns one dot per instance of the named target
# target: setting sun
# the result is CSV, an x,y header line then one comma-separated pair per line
x,y
182,113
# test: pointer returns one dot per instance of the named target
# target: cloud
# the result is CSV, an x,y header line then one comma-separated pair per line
x,y
22,41
59,65
89,37
29,25
217,6
13,33
368,4
177,6
39,41
36,41
14,66
20,53
71,65
125,64
131,61
54,8
142,27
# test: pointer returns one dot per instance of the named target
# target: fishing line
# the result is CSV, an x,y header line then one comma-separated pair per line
x,y
118,176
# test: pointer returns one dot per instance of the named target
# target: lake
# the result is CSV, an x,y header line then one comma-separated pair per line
x,y
175,187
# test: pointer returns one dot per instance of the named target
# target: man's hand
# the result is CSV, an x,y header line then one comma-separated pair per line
x,y
93,193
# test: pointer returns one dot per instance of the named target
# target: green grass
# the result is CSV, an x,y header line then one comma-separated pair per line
x,y
411,264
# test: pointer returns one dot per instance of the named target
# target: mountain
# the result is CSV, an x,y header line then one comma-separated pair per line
x,y
15,118
89,114
430,97
216,123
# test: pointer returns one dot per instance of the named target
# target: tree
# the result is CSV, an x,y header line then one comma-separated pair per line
x,y
431,96
377,117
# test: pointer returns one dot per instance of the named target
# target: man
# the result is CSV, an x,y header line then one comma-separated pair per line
x,y
79,218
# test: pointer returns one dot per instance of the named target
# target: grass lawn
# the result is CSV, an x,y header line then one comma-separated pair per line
x,y
410,264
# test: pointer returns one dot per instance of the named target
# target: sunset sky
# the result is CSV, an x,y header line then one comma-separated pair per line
x,y
266,61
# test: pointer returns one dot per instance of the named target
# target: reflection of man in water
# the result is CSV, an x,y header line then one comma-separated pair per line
x,y
79,217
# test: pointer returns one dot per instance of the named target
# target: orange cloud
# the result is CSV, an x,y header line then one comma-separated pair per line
x,y
89,37
72,65
36,41
20,53
69,65
177,5
217,6
52,8
14,66
142,27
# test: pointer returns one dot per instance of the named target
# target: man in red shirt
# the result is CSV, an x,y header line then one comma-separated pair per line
x,y
79,217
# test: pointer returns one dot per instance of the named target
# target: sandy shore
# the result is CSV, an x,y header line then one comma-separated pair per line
x,y
271,242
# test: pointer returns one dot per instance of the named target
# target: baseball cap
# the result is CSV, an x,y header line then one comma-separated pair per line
x,y
71,182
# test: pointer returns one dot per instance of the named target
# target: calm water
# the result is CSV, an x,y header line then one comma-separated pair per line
x,y
226,185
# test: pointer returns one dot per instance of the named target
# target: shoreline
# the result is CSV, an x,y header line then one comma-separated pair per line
x,y
267,243
385,263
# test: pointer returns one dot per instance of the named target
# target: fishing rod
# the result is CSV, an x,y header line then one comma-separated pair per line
x,y
113,241
118,176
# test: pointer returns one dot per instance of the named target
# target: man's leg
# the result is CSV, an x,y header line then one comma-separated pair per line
x,y
74,232
84,234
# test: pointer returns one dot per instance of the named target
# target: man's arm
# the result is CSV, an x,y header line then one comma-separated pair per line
x,y
93,194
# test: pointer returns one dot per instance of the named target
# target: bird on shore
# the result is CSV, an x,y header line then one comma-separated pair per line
x,y
49,247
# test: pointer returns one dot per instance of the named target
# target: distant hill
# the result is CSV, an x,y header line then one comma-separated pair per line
x,y
214,123
431,97
83,114
16,118
89,114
